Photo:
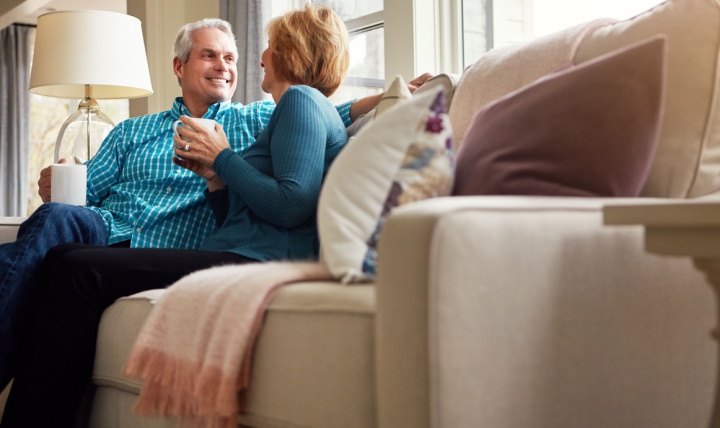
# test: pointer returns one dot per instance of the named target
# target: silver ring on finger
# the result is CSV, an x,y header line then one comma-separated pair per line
x,y
187,147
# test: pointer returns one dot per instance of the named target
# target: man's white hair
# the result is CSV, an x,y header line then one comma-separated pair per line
x,y
184,43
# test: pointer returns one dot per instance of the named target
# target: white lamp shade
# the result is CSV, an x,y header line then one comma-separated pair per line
x,y
88,47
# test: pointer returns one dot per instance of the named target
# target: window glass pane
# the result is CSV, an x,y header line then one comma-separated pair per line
x,y
367,51
47,115
351,9
488,24
278,7
548,20
477,29
367,67
346,9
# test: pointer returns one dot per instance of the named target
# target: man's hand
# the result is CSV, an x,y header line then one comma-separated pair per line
x,y
213,181
203,171
364,105
44,182
418,81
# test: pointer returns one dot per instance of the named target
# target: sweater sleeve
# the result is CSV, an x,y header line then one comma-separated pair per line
x,y
298,136
344,111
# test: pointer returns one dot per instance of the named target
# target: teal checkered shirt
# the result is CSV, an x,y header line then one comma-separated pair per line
x,y
143,196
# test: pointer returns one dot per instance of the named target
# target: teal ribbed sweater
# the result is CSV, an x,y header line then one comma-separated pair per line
x,y
267,210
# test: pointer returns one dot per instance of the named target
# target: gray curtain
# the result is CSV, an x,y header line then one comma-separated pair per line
x,y
246,18
14,118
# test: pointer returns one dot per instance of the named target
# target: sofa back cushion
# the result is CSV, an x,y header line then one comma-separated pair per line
x,y
687,162
504,70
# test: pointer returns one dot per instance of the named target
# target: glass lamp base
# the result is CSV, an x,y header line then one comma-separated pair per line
x,y
81,134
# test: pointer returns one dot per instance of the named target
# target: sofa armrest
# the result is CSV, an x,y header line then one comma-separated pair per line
x,y
8,231
9,227
512,312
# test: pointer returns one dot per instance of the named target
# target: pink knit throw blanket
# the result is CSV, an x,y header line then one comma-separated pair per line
x,y
194,351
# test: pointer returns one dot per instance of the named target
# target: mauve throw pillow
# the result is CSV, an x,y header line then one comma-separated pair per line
x,y
589,130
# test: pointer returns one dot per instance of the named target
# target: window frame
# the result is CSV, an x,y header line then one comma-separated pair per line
x,y
435,41
362,24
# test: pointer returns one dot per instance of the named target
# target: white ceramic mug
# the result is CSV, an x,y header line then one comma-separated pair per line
x,y
208,124
68,184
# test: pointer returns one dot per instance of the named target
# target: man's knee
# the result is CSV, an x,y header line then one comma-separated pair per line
x,y
63,212
78,223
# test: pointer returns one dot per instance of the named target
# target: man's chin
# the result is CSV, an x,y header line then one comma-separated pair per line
x,y
221,96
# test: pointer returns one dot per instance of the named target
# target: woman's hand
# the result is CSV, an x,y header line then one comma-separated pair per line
x,y
194,142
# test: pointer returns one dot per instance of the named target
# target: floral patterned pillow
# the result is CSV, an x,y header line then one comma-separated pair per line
x,y
405,155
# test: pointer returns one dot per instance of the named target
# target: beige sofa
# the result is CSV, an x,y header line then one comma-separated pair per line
x,y
493,311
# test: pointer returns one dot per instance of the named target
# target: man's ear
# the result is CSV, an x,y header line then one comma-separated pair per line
x,y
178,67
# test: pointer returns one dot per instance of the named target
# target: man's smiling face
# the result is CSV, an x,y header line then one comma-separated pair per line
x,y
210,73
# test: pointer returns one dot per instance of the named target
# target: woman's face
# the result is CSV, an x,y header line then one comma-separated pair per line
x,y
269,80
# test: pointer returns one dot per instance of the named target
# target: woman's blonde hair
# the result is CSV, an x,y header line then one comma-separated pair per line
x,y
310,46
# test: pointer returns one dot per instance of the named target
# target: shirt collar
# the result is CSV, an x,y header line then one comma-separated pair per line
x,y
214,112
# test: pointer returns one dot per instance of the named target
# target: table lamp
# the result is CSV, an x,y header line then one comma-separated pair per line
x,y
88,54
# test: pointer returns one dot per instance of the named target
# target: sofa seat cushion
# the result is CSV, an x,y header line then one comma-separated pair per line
x,y
9,228
290,380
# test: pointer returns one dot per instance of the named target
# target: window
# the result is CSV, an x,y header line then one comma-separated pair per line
x,y
577,12
363,19
448,35
46,117
477,25
487,24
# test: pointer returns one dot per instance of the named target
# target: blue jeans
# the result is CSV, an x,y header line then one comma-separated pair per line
x,y
50,225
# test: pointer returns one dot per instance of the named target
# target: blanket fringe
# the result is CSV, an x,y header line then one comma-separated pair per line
x,y
203,384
